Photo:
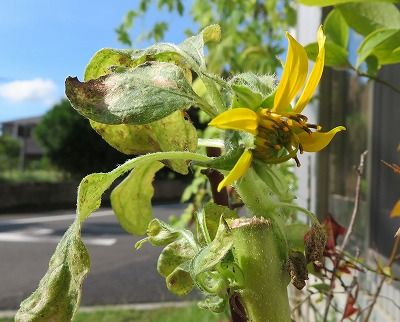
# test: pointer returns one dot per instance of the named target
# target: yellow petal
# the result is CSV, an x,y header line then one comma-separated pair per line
x,y
396,210
316,141
241,119
240,168
293,76
315,75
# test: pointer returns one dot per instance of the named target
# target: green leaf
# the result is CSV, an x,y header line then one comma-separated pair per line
x,y
367,17
107,59
372,65
295,236
214,303
336,29
388,52
274,179
161,234
335,56
376,41
209,218
59,292
90,191
141,95
214,252
131,199
325,3
250,90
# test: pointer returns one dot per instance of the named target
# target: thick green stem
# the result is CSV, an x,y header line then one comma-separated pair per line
x,y
261,255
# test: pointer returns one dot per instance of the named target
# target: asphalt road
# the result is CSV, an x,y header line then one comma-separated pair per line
x,y
119,273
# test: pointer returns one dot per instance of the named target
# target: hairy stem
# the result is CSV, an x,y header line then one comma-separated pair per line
x,y
259,254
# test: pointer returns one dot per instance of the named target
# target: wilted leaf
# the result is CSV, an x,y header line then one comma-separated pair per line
x,y
58,294
333,230
350,309
131,199
141,95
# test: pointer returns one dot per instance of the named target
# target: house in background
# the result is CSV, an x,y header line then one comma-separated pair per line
x,y
22,129
327,180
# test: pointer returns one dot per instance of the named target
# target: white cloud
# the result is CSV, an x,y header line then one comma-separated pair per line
x,y
35,90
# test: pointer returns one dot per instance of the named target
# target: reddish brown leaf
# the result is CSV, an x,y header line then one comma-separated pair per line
x,y
334,230
350,308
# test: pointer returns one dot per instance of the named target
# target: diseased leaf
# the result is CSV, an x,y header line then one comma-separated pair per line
x,y
375,42
173,255
366,17
131,199
335,56
57,297
140,139
58,294
325,3
141,95
179,281
90,191
153,137
336,29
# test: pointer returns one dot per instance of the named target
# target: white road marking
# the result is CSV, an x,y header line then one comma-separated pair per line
x,y
50,218
23,237
43,235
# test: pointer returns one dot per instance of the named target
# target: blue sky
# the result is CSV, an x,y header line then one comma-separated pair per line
x,y
44,41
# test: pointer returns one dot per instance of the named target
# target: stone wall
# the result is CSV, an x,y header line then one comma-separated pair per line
x,y
42,196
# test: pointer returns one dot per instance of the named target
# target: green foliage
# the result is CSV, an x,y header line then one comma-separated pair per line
x,y
72,145
253,30
9,152
377,21
131,202
325,3
367,17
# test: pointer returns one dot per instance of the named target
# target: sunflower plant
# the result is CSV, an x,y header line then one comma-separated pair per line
x,y
136,100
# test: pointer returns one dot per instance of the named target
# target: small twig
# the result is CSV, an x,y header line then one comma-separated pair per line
x,y
360,170
392,258
379,80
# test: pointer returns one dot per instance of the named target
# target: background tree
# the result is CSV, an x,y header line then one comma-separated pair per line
x,y
72,145
252,30
9,152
